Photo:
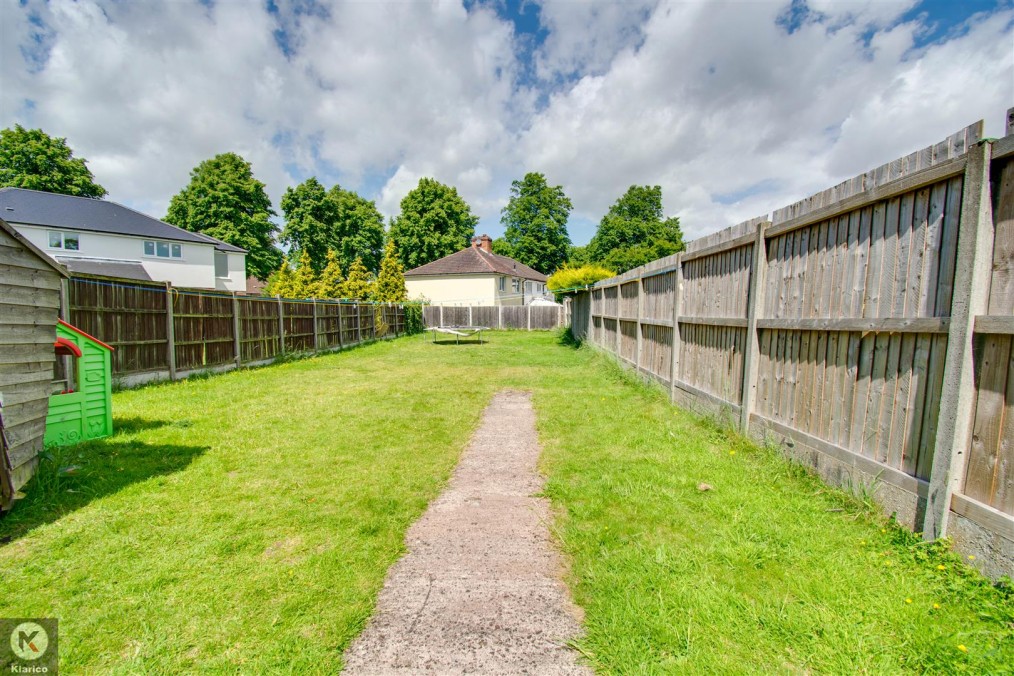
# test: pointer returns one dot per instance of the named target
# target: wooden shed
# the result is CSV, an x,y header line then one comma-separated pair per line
x,y
29,307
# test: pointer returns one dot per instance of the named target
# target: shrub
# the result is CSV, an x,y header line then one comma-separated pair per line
x,y
567,280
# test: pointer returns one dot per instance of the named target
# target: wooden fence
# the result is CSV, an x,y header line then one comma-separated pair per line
x,y
524,317
867,329
160,332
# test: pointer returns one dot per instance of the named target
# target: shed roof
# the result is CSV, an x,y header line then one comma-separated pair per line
x,y
105,267
34,207
9,229
476,261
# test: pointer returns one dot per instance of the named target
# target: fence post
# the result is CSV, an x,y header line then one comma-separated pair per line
x,y
359,324
65,300
170,330
674,369
619,332
751,356
281,325
237,343
970,298
469,315
316,335
529,314
499,319
441,314
640,315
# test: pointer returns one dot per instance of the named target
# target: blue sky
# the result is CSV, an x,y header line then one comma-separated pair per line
x,y
734,108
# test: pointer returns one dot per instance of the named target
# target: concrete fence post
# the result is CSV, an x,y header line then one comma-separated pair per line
x,y
170,330
755,301
281,325
316,335
674,369
237,343
970,298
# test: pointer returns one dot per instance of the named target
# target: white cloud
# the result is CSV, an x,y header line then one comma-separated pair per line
x,y
719,103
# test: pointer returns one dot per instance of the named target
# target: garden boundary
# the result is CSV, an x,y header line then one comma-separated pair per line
x,y
866,329
523,317
161,332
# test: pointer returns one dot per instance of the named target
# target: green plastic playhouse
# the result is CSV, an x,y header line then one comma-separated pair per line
x,y
84,409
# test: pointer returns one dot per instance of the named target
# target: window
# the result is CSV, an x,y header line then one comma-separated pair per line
x,y
516,285
503,283
221,264
68,241
163,249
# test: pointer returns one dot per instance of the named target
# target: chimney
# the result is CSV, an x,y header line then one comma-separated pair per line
x,y
485,242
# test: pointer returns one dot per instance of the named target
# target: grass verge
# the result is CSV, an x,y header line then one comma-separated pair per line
x,y
232,518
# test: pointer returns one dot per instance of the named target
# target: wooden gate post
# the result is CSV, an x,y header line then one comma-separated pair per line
x,y
970,298
237,344
170,330
751,357
674,369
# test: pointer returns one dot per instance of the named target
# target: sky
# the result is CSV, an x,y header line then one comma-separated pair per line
x,y
734,108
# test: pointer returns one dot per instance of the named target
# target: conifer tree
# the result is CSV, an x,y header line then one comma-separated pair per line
x,y
304,280
358,285
390,285
331,279
280,282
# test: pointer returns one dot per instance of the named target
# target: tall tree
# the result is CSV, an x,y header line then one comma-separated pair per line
x,y
434,222
317,221
31,158
358,285
635,232
309,221
535,223
359,229
280,281
390,286
225,201
331,279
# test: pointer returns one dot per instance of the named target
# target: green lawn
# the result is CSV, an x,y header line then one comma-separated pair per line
x,y
246,522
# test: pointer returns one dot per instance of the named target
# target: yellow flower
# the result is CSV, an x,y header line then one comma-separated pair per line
x,y
732,452
908,600
962,648
971,557
941,567
888,563
936,606
862,542
883,530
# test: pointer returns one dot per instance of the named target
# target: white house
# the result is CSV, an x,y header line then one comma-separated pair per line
x,y
476,276
98,237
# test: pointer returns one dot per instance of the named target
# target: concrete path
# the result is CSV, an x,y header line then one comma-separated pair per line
x,y
479,590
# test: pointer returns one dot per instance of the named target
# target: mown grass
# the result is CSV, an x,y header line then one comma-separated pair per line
x,y
246,522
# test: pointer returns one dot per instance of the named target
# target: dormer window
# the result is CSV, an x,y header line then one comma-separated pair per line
x,y
68,241
162,249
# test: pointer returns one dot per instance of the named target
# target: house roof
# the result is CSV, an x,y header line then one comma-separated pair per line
x,y
9,229
476,261
47,209
106,267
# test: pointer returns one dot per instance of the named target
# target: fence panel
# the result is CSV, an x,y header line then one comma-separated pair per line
x,y
329,324
259,328
132,318
202,330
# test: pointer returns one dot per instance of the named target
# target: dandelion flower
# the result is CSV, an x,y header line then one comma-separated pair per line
x,y
732,452
883,530
888,563
936,606
962,648
908,600
971,557
862,542
941,567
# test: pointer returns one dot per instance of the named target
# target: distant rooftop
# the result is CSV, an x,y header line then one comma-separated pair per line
x,y
476,260
47,209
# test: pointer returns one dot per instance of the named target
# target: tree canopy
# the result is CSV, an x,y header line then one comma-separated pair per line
x,y
331,281
390,285
318,221
225,201
30,158
535,223
635,232
434,222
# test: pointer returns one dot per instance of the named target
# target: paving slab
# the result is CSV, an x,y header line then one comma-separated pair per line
x,y
479,591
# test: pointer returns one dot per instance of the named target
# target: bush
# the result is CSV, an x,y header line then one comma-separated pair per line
x,y
413,319
567,280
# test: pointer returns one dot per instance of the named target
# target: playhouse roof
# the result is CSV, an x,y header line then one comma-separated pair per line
x,y
74,329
